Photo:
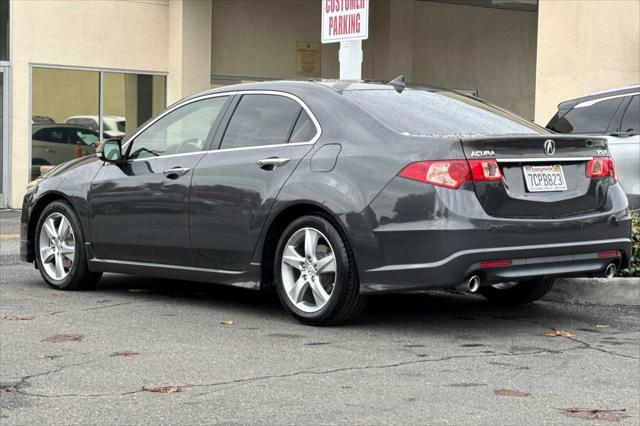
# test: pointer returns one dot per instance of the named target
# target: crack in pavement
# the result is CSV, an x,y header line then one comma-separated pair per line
x,y
586,345
306,372
95,308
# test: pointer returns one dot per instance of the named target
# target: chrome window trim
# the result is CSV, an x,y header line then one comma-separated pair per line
x,y
542,159
595,101
215,95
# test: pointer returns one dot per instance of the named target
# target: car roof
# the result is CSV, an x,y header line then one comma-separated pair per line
x,y
619,91
38,126
337,86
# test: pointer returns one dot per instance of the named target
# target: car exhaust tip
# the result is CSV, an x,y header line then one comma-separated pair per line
x,y
610,270
473,283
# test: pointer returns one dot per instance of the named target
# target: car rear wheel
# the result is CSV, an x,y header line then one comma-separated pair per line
x,y
59,249
315,273
519,292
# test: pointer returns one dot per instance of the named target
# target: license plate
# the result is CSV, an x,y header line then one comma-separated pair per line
x,y
544,178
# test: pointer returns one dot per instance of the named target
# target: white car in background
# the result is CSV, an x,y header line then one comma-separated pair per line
x,y
614,114
114,126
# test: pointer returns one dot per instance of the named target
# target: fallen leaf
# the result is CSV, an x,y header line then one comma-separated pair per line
x,y
64,338
558,333
161,389
510,392
226,322
18,317
125,353
43,356
595,414
7,389
409,398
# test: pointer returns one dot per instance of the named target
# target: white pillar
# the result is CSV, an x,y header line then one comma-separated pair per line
x,y
350,57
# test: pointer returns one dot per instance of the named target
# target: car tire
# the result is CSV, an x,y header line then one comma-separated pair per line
x,y
521,292
60,249
308,270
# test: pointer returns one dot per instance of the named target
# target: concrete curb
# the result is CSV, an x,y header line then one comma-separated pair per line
x,y
596,291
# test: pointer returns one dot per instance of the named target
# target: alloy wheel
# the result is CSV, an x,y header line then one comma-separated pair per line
x,y
57,246
308,270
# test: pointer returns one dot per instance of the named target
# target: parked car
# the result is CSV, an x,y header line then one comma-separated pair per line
x,y
41,119
331,191
615,115
114,126
54,144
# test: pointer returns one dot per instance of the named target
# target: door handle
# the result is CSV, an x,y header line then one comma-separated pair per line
x,y
176,172
271,163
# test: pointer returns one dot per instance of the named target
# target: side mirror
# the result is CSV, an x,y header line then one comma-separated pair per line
x,y
110,151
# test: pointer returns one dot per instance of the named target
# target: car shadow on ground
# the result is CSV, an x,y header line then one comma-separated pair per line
x,y
428,311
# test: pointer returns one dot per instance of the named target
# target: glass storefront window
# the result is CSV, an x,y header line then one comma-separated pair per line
x,y
130,100
59,98
4,30
65,121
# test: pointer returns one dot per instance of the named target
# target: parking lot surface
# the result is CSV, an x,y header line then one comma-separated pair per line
x,y
234,356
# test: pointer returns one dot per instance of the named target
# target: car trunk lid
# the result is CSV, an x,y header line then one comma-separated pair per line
x,y
544,176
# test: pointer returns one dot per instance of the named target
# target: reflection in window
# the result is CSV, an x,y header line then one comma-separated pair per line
x,y
58,97
4,30
65,120
181,131
130,100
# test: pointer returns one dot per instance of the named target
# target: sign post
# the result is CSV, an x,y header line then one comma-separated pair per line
x,y
346,22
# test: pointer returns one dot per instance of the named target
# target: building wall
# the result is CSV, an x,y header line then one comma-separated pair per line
x,y
489,50
75,33
258,38
583,47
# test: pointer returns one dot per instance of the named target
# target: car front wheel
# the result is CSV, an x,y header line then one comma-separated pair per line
x,y
315,273
59,246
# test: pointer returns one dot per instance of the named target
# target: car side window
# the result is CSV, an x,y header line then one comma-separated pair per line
x,y
631,119
181,131
261,120
304,129
588,119
42,135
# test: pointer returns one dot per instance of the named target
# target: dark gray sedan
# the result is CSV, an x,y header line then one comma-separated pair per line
x,y
330,191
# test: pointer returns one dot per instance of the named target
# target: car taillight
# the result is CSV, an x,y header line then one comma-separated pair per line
x,y
485,170
601,167
449,174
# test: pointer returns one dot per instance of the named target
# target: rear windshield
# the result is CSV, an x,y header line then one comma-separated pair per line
x,y
427,113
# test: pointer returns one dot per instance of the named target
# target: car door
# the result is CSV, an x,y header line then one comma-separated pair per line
x,y
140,208
234,187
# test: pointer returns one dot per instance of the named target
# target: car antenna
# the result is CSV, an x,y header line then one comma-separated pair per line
x,y
398,83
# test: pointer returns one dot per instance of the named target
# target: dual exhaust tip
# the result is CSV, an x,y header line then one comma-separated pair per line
x,y
473,283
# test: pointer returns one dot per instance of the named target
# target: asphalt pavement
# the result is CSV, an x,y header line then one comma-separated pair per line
x,y
233,356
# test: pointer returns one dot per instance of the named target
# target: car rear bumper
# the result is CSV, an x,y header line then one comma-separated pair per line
x,y
426,237
584,258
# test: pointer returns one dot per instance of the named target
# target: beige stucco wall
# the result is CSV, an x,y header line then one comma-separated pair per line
x,y
585,46
486,49
120,34
490,50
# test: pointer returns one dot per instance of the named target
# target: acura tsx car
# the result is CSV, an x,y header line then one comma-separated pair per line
x,y
330,191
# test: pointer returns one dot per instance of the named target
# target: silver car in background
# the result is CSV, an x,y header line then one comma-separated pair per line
x,y
615,114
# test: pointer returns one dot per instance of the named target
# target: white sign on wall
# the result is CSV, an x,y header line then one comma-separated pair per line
x,y
345,20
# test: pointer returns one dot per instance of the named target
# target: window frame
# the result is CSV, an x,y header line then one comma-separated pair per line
x,y
225,118
128,144
624,114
